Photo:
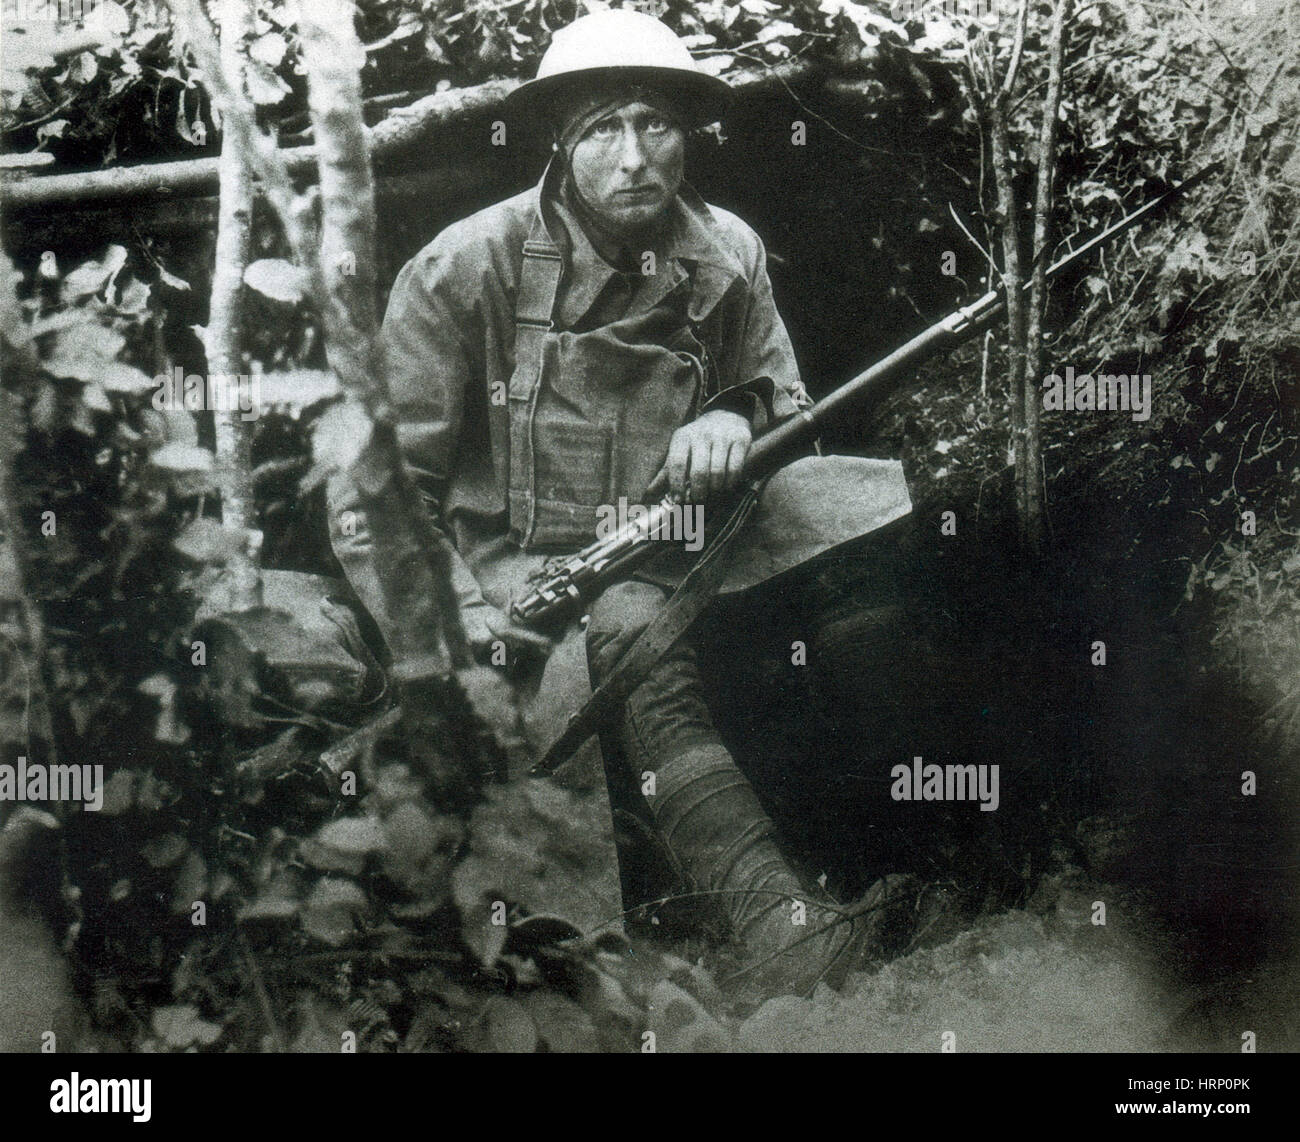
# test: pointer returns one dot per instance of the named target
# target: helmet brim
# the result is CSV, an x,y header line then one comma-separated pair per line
x,y
704,98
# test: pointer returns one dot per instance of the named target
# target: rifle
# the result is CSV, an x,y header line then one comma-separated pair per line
x,y
566,581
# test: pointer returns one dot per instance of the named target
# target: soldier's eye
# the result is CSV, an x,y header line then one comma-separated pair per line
x,y
606,127
657,125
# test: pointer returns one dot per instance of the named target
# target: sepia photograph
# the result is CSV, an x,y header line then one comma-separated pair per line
x,y
661,527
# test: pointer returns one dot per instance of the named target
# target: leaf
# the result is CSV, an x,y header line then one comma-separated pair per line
x,y
84,351
299,387
95,398
29,48
191,883
207,541
83,68
54,129
322,1027
182,458
330,860
777,29
119,793
118,377
565,1027
353,835
277,279
92,276
264,86
327,915
162,852
507,1027
181,1027
535,845
171,280
269,907
112,18
135,298
269,49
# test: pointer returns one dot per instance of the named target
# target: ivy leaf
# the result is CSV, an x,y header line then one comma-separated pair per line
x,y
96,399
277,279
119,793
191,883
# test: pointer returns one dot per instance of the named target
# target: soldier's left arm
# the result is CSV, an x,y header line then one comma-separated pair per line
x,y
763,374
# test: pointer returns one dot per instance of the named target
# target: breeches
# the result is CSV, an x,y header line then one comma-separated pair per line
x,y
667,714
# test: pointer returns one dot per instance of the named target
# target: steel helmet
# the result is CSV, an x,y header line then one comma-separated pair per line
x,y
623,44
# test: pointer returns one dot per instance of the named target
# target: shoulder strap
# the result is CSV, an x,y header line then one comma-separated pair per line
x,y
539,283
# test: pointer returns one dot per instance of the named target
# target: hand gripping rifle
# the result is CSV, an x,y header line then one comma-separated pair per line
x,y
569,580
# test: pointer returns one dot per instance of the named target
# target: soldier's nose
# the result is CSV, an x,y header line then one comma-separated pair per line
x,y
632,152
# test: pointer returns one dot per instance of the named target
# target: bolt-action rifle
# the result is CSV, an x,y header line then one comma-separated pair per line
x,y
567,581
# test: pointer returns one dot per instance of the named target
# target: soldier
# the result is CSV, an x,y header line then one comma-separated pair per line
x,y
608,334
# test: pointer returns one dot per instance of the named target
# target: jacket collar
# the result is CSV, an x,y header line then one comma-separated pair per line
x,y
691,249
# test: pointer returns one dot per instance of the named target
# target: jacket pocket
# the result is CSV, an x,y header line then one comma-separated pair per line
x,y
572,479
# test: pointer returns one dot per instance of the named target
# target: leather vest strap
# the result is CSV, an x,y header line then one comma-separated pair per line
x,y
539,284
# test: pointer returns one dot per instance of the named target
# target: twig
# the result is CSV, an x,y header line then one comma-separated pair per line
x,y
263,997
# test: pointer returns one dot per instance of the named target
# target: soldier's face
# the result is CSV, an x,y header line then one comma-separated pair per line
x,y
628,166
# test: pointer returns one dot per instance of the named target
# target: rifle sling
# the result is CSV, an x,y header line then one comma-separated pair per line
x,y
690,598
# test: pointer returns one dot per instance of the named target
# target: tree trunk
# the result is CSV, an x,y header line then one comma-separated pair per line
x,y
1034,522
234,434
1013,273
413,568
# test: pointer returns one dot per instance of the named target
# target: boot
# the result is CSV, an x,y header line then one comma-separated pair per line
x,y
713,823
